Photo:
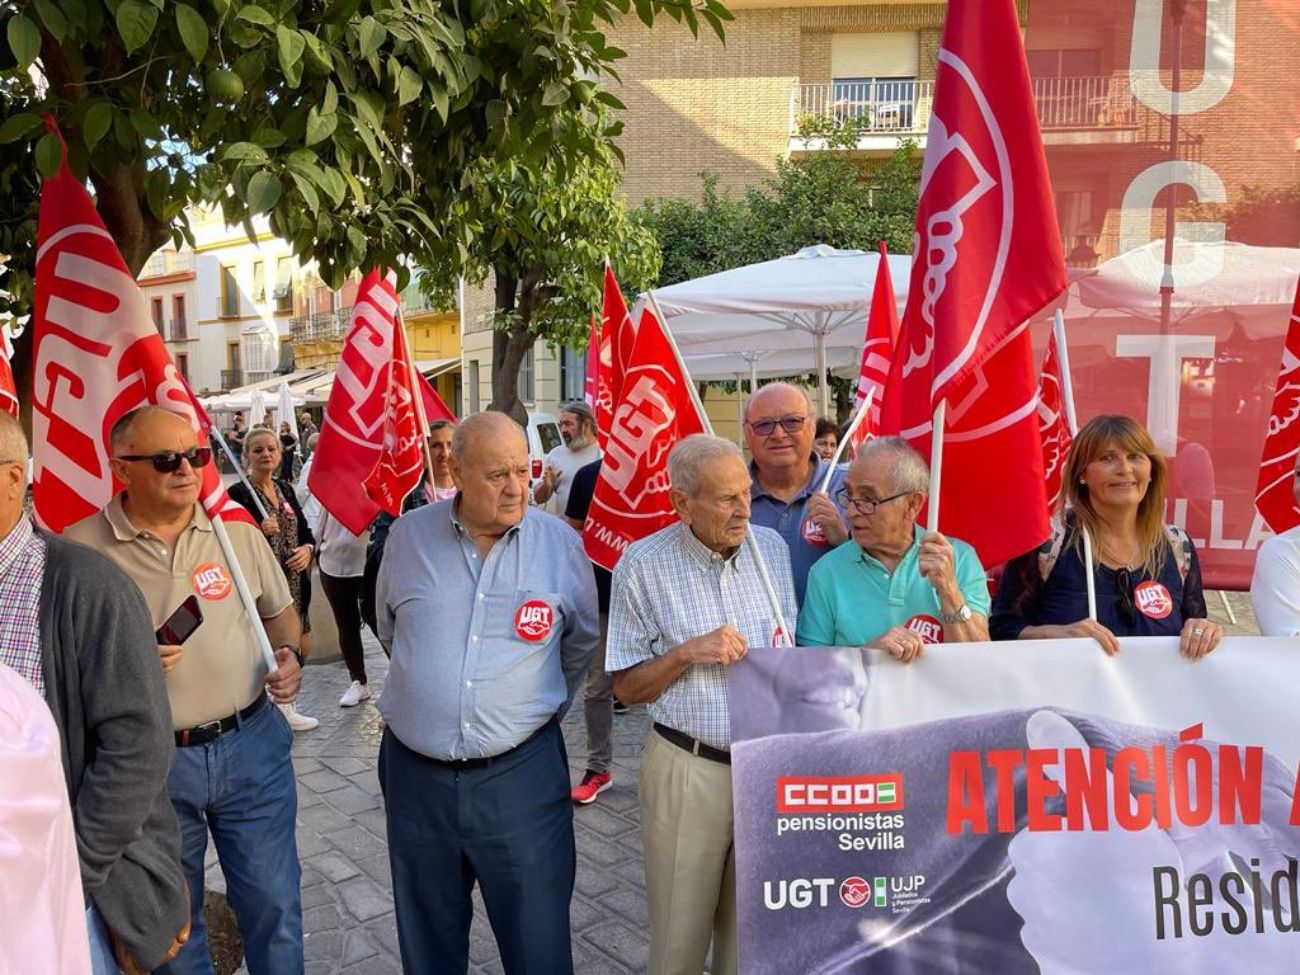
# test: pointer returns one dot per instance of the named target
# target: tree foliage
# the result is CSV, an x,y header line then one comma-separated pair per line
x,y
543,233
353,123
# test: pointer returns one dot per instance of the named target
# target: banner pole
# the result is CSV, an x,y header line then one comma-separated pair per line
x,y
1090,572
936,464
245,594
1067,383
239,470
763,575
845,440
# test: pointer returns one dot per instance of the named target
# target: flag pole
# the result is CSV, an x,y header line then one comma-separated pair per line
x,y
414,384
239,469
245,594
1072,421
936,464
749,528
845,440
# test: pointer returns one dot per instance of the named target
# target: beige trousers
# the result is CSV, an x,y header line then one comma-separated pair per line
x,y
690,862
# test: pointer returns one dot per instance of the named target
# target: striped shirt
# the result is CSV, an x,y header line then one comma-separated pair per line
x,y
22,571
670,588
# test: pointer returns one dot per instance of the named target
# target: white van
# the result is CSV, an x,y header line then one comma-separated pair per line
x,y
543,437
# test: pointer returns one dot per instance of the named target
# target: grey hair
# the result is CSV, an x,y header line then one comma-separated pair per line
x,y
13,442
691,454
582,411
908,472
807,398
122,428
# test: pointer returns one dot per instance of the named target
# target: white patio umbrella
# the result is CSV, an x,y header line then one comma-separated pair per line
x,y
256,407
810,302
284,408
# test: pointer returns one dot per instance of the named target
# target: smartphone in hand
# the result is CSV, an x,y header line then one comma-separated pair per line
x,y
183,622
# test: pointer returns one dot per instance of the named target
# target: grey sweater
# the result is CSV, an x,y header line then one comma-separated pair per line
x,y
106,690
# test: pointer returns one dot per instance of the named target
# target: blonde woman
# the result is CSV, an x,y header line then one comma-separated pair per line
x,y
1147,575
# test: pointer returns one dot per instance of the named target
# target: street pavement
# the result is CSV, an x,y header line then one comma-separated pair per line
x,y
348,919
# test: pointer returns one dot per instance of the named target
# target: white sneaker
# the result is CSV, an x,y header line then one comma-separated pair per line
x,y
298,722
354,695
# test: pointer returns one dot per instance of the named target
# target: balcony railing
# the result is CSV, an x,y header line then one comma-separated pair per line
x,y
232,378
322,325
903,107
168,262
180,330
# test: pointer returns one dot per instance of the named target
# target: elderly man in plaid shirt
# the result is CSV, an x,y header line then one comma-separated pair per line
x,y
687,602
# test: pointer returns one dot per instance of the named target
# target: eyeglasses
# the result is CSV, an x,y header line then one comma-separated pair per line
x,y
790,424
865,506
1124,589
169,461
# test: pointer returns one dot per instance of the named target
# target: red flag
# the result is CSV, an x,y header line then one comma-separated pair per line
x,y
1053,424
877,350
8,390
401,459
96,356
987,256
435,408
352,431
1274,496
653,411
988,253
593,363
616,335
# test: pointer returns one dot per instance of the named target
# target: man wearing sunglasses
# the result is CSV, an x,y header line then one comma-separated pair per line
x,y
76,628
786,475
230,770
898,587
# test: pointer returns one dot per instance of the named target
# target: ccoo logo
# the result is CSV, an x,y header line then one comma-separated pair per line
x,y
533,620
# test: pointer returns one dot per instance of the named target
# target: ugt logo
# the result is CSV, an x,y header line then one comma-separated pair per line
x,y
533,620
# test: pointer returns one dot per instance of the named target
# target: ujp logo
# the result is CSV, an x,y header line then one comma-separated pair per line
x,y
211,581
533,620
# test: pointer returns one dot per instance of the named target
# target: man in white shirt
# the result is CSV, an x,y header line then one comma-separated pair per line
x,y
578,430
1275,588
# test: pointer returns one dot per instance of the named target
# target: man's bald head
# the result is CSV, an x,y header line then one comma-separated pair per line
x,y
483,428
778,397
13,442
489,466
13,472
780,453
151,418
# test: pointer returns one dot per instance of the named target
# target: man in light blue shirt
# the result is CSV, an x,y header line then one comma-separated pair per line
x,y
786,478
489,611
896,587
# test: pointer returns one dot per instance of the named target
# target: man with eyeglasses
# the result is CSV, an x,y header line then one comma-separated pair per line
x,y
76,629
786,475
230,769
898,587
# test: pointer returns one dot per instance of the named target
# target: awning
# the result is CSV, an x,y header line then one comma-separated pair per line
x,y
432,368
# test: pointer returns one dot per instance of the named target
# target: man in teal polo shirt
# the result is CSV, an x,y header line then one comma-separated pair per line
x,y
897,588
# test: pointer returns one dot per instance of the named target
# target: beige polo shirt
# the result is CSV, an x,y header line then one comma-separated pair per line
x,y
221,669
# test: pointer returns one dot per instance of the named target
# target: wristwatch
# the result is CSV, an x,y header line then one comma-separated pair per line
x,y
962,615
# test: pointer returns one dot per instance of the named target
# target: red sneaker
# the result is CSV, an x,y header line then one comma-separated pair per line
x,y
592,785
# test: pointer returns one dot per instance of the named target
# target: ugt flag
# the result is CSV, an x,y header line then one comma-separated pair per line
x,y
435,407
1053,424
616,335
8,390
352,431
877,349
653,411
987,256
1273,494
96,356
401,459
592,364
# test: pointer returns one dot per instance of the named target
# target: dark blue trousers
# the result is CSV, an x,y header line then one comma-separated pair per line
x,y
508,825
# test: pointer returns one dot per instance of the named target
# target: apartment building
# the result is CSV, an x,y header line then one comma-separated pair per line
x,y
168,283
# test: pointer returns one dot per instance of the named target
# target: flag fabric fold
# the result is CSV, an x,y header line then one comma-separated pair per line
x,y
435,407
592,364
96,356
1053,422
8,389
652,411
1274,497
353,428
401,459
617,333
877,351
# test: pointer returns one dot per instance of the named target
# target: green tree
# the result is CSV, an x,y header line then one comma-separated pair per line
x,y
331,116
543,233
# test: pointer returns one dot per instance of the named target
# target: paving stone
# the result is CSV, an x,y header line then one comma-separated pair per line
x,y
345,764
323,780
627,945
323,818
350,799
335,867
364,899
355,842
320,919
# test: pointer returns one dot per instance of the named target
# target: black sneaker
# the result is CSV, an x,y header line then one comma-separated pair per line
x,y
620,707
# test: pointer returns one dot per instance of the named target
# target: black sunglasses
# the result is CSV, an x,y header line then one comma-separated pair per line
x,y
169,461
790,424
1124,589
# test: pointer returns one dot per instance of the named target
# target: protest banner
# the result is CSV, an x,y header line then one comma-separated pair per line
x,y
1017,808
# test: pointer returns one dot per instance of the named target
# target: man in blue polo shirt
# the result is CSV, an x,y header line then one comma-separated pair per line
x,y
897,587
786,476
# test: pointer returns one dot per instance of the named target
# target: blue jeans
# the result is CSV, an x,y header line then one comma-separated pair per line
x,y
102,961
242,788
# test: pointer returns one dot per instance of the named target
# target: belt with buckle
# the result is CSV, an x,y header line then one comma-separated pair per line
x,y
692,745
212,730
